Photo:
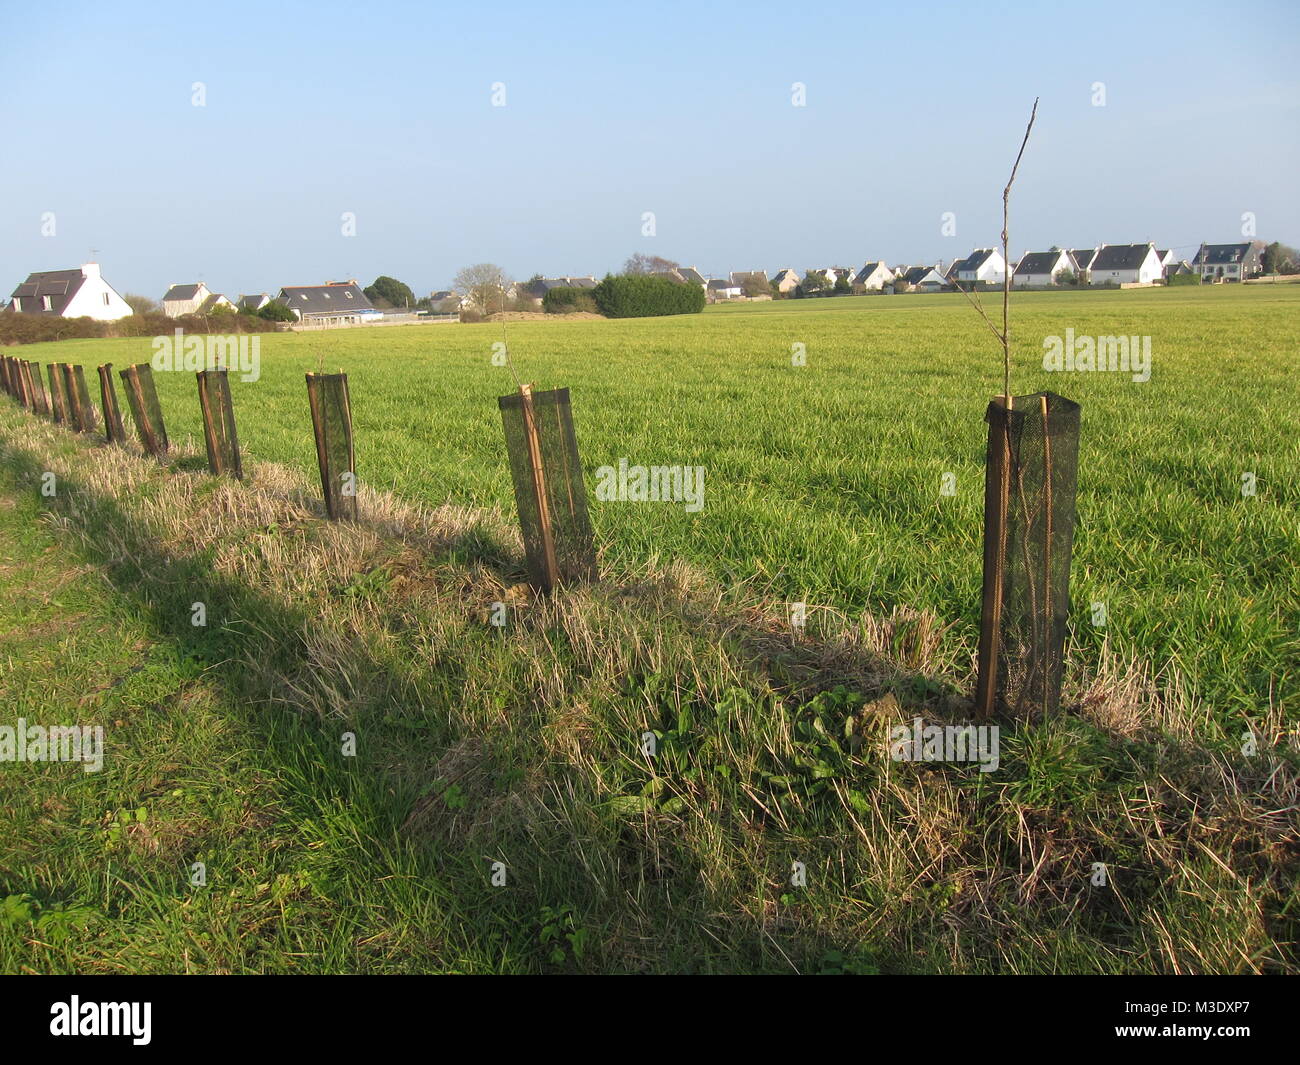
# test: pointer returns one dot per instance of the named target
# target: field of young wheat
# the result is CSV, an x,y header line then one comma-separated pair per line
x,y
842,446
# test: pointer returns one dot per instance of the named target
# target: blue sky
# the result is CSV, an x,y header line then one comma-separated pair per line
x,y
683,110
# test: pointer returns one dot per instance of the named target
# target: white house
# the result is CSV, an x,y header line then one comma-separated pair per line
x,y
983,266
1042,269
1126,264
723,289
216,302
919,279
253,303
1083,263
79,293
184,299
874,276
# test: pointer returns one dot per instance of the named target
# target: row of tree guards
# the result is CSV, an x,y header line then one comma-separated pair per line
x,y
1030,476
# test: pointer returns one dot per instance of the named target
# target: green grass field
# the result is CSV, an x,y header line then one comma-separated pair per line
x,y
823,485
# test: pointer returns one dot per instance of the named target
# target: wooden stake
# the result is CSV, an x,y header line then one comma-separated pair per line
x,y
552,575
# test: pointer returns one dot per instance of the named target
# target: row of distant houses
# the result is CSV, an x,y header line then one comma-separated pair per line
x,y
83,291
1106,264
333,303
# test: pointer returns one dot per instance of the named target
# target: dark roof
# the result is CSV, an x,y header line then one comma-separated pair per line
x,y
916,273
690,274
1221,254
543,285
976,259
739,277
1121,256
781,275
1083,257
59,285
1039,262
210,302
325,299
1162,254
255,302
181,292
721,282
867,271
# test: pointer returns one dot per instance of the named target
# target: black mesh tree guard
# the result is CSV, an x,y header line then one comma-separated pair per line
x,y
549,488
219,423
113,428
58,393
1029,498
331,419
142,398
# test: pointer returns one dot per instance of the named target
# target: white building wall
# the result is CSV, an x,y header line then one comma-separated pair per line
x,y
96,299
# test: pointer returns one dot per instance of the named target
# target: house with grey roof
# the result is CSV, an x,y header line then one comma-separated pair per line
x,y
786,281
538,287
253,303
756,279
721,288
1228,262
184,299
78,293
336,304
1083,263
873,277
919,279
1042,269
1126,264
982,266
216,303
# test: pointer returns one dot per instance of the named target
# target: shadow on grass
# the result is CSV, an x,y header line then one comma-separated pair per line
x,y
165,579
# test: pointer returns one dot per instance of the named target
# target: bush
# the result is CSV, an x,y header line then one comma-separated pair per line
x,y
40,328
18,328
1183,279
643,296
275,311
568,300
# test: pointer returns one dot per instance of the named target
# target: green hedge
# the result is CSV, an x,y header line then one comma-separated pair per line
x,y
643,296
18,328
565,300
1183,279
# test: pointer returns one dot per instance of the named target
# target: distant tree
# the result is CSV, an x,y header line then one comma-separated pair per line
x,y
485,284
648,264
1277,259
389,292
142,304
814,284
842,285
1067,277
275,311
753,285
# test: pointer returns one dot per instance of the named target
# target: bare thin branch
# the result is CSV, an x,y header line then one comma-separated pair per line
x,y
1006,261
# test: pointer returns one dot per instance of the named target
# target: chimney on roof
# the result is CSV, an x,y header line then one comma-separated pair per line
x,y
90,269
